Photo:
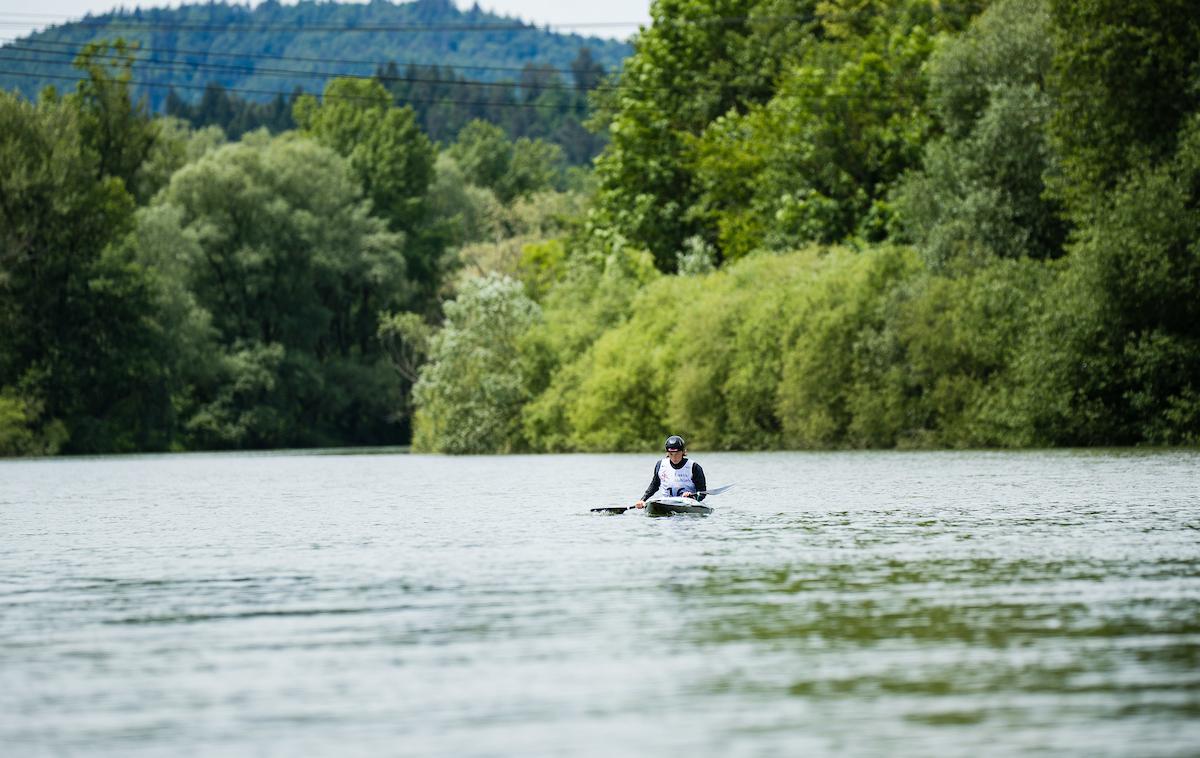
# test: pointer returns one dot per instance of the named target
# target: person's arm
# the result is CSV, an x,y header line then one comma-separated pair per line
x,y
699,481
655,483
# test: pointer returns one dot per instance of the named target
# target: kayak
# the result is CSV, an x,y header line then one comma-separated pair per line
x,y
669,506
666,506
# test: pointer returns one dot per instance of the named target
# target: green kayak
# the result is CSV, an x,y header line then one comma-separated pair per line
x,y
669,506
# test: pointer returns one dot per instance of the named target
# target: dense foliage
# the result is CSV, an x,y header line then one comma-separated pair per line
x,y
1011,199
161,288
540,102
233,114
79,359
894,223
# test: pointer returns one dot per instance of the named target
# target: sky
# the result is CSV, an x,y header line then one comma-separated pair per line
x,y
20,17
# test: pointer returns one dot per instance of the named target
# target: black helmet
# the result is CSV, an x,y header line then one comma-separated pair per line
x,y
674,442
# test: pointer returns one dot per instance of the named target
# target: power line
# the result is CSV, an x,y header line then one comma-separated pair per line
x,y
285,73
307,59
285,95
124,20
300,74
417,80
160,65
242,28
845,109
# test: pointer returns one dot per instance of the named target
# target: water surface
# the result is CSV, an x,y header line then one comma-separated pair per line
x,y
392,604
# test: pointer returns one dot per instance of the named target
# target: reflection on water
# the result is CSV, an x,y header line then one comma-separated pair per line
x,y
863,604
975,627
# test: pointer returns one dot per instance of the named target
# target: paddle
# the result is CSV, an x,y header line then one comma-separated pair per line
x,y
623,508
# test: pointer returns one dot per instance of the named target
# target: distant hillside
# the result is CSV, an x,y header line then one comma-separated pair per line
x,y
274,49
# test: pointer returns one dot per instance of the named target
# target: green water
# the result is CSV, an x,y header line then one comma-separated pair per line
x,y
389,604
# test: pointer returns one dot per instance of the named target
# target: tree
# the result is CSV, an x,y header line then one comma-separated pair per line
x,y
282,254
1116,354
470,393
980,193
80,351
685,71
1113,356
483,152
234,115
119,130
586,72
510,169
536,165
1125,74
848,118
390,156
713,137
176,145
388,152
537,79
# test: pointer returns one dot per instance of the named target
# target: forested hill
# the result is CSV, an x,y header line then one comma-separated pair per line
x,y
258,53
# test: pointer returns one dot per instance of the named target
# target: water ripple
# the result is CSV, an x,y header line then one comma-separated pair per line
x,y
837,603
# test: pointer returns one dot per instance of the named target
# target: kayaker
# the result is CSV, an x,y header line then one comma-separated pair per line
x,y
679,478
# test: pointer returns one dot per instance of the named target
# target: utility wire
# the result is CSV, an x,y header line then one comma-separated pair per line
x,y
418,80
383,77
847,106
160,65
243,28
126,20
303,59
286,95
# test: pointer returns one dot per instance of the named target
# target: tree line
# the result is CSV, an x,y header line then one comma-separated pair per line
x,y
163,288
539,104
815,224
844,224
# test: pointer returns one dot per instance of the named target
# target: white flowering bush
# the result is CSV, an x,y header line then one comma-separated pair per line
x,y
470,393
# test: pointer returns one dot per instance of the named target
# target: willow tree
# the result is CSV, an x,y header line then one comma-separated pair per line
x,y
277,245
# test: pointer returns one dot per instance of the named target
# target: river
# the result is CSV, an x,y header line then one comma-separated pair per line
x,y
381,603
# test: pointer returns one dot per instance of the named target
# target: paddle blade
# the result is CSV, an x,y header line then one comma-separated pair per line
x,y
612,509
715,490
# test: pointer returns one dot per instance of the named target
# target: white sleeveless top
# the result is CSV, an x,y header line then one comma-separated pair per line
x,y
673,482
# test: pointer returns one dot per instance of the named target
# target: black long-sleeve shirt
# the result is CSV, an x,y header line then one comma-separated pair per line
x,y
697,478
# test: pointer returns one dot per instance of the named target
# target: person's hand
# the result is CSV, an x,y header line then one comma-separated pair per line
x,y
689,494
640,504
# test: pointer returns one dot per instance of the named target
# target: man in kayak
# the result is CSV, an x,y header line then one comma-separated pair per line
x,y
678,478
